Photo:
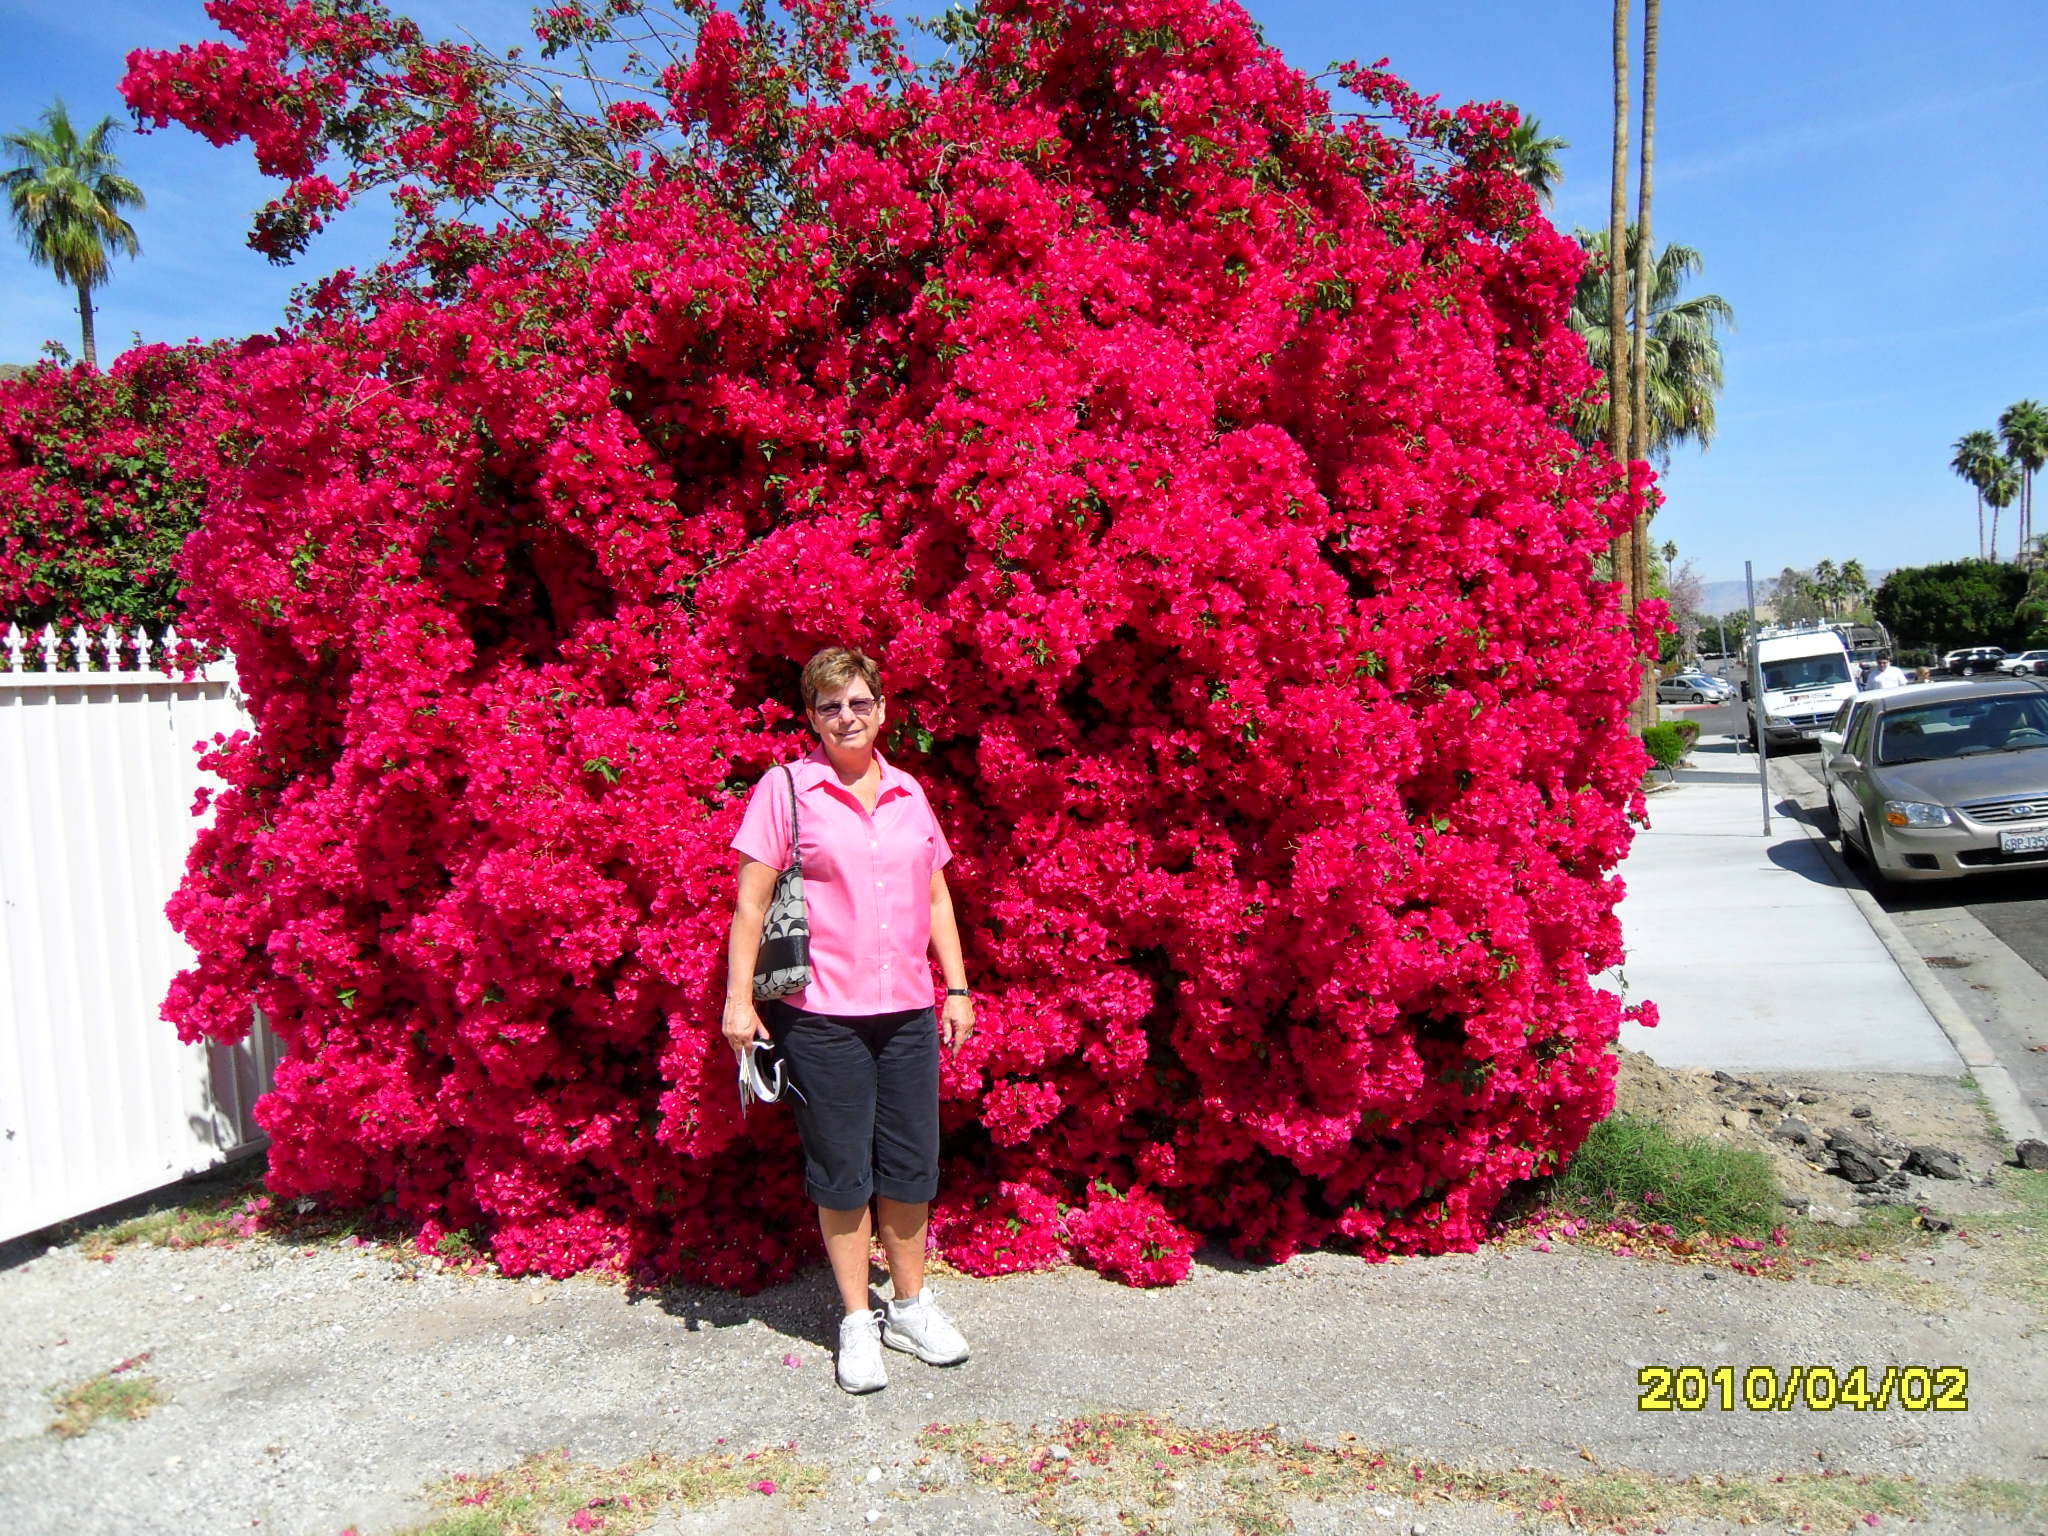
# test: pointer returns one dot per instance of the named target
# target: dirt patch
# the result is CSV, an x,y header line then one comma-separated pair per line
x,y
1792,1120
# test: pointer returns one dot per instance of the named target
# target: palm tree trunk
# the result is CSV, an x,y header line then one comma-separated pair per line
x,y
1980,525
1639,372
92,354
1994,533
1619,394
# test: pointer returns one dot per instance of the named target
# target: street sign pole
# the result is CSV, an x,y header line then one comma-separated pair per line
x,y
1756,702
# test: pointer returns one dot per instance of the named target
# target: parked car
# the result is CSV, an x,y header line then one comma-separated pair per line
x,y
1941,780
2026,662
1972,659
1694,686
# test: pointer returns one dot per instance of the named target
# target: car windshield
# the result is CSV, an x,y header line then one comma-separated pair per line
x,y
1996,722
1796,672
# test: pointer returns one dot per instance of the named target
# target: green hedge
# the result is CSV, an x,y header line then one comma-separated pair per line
x,y
1669,741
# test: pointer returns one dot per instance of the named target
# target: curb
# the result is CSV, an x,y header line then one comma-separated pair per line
x,y
2008,1106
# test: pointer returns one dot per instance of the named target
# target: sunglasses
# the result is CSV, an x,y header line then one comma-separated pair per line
x,y
861,708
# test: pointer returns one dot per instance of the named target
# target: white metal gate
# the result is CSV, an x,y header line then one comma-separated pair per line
x,y
98,770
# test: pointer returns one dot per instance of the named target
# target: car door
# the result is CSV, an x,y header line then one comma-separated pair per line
x,y
1846,782
1832,738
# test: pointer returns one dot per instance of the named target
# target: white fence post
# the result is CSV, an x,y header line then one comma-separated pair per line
x,y
98,1098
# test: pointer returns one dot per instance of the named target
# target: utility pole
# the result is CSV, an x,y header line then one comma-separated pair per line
x,y
1756,702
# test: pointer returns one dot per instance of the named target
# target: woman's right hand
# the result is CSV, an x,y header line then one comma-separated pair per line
x,y
742,1025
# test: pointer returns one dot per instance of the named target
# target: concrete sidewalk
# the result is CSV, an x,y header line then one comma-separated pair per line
x,y
1754,952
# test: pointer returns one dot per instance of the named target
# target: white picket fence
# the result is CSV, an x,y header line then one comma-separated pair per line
x,y
98,771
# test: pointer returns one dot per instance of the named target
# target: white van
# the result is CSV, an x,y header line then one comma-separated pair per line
x,y
1806,677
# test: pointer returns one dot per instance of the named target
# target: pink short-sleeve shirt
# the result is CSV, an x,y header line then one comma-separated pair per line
x,y
867,882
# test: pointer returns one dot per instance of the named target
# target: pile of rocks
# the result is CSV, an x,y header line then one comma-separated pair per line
x,y
1878,1166
1838,1141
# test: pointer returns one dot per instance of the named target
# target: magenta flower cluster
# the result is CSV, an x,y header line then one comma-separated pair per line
x,y
1194,459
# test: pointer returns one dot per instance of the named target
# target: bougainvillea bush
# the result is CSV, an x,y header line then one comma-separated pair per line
x,y
92,513
1194,457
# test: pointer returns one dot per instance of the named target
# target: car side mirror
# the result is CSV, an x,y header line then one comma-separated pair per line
x,y
1846,762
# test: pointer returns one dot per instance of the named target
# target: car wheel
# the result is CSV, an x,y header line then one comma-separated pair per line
x,y
1856,852
1699,698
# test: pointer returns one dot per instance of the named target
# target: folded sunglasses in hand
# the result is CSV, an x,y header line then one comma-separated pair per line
x,y
757,1084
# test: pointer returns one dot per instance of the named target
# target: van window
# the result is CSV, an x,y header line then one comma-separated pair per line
x,y
1797,672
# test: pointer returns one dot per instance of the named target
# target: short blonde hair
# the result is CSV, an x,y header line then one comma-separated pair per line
x,y
833,668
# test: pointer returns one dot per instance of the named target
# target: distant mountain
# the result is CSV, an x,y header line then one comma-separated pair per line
x,y
1724,596
1728,596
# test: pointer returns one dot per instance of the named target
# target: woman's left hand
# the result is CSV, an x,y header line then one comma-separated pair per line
x,y
956,1022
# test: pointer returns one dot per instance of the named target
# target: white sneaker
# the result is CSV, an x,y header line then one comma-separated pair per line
x,y
921,1328
860,1353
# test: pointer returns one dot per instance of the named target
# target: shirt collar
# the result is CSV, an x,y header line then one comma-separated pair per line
x,y
814,770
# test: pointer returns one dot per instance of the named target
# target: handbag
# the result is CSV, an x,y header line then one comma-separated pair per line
x,y
782,965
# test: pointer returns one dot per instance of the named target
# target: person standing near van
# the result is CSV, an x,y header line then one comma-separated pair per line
x,y
1886,675
860,1042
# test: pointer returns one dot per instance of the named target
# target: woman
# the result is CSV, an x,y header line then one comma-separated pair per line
x,y
860,1043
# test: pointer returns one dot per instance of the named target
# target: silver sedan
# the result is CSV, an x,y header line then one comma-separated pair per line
x,y
1936,782
1696,686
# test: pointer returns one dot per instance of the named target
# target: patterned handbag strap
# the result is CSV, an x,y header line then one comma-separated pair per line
x,y
796,846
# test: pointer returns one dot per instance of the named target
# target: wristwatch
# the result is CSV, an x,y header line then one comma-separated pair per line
x,y
958,992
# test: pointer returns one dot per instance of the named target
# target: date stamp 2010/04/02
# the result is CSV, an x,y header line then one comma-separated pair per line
x,y
1820,1388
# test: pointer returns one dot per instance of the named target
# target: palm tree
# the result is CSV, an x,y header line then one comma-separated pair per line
x,y
66,195
1638,362
1827,587
1682,347
2023,426
2001,488
1974,455
1855,587
1532,155
1615,359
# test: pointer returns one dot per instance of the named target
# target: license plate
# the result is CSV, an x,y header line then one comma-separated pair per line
x,y
2023,842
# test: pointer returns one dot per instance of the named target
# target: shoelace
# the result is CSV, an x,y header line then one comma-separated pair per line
x,y
875,1319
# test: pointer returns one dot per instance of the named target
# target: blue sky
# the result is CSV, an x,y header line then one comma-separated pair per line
x,y
1868,184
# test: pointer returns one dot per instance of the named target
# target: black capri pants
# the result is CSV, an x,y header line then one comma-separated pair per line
x,y
866,1102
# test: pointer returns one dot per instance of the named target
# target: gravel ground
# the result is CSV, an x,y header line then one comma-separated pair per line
x,y
314,1389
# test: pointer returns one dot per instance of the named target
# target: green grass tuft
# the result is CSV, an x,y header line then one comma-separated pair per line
x,y
549,1492
113,1394
1693,1183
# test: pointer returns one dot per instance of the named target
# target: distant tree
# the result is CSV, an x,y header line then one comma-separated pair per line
x,y
1975,453
1686,591
1964,602
1825,582
2032,614
2001,489
1682,346
1725,632
2023,427
66,195
1855,588
1794,598
1533,153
